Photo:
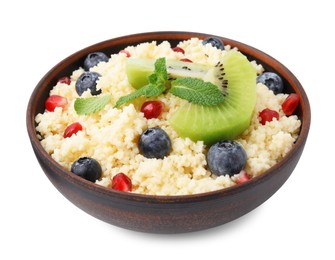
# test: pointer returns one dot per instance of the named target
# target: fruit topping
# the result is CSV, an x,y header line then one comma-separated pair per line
x,y
228,119
272,80
121,182
87,168
152,109
72,129
209,118
178,49
192,89
138,71
64,80
154,143
88,81
267,115
186,60
127,53
215,42
226,157
242,177
290,104
93,59
54,101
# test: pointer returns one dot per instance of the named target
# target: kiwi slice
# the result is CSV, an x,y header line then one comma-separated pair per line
x,y
138,71
229,119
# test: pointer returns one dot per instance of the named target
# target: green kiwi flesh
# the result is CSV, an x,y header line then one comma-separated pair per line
x,y
138,70
229,119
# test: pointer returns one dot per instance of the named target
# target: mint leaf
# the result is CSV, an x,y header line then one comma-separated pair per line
x,y
149,90
161,71
160,75
153,78
85,106
156,85
197,91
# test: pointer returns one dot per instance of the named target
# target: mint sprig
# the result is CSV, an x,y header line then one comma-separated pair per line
x,y
160,75
156,86
85,106
192,89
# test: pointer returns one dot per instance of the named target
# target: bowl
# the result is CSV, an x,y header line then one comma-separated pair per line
x,y
165,214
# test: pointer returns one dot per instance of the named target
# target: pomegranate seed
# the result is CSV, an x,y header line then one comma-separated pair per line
x,y
72,129
178,49
243,177
65,80
152,109
121,182
186,60
125,52
290,104
54,101
267,115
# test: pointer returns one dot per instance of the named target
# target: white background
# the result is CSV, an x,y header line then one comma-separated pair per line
x,y
37,222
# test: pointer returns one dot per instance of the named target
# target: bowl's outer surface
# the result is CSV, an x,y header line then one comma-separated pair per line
x,y
165,214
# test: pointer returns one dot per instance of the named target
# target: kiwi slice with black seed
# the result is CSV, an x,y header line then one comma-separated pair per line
x,y
228,119
138,70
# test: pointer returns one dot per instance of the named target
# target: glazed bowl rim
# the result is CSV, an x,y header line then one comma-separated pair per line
x,y
137,197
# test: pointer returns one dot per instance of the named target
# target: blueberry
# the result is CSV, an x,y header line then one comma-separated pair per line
x,y
272,81
93,59
215,42
226,157
87,168
154,143
88,80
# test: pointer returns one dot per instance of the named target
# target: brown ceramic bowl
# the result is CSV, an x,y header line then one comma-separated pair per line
x,y
165,214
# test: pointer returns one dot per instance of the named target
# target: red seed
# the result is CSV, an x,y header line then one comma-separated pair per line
x,y
65,80
178,49
267,115
54,101
121,182
125,52
152,109
186,60
290,104
243,177
72,129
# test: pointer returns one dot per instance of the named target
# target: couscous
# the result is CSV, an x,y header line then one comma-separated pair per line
x,y
111,135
